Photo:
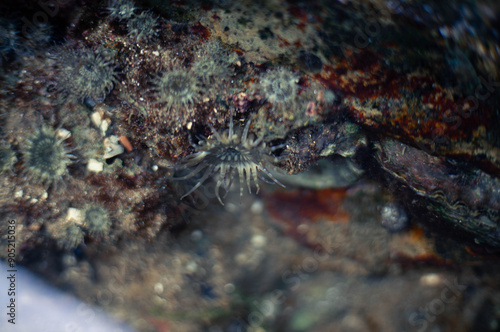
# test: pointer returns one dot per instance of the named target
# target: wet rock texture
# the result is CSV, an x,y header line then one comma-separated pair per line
x,y
380,117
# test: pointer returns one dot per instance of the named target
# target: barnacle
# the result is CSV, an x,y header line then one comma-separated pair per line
x,y
97,220
279,87
227,152
121,9
88,74
46,157
142,27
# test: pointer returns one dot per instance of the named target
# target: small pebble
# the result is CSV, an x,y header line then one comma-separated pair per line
x,y
104,126
158,287
393,217
75,216
431,279
95,166
63,133
196,235
191,267
229,288
112,147
258,241
96,118
257,207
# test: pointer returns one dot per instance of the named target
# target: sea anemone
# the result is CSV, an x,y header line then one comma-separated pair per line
x,y
88,74
121,9
9,41
46,157
67,234
211,61
279,87
97,220
142,27
38,36
207,67
7,158
177,88
224,153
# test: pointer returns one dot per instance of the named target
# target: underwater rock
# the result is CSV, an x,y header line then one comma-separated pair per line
x,y
393,217
466,197
326,173
306,146
309,62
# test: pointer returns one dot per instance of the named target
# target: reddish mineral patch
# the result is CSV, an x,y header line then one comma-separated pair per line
x,y
200,30
300,207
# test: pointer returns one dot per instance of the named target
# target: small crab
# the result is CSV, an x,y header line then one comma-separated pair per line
x,y
223,153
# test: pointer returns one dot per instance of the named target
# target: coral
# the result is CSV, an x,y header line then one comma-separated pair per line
x,y
121,9
46,157
226,152
97,220
279,87
142,27
88,74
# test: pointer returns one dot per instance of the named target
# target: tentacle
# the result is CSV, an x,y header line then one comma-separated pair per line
x,y
245,132
241,175
193,160
231,127
276,147
258,140
255,178
198,168
216,133
205,176
222,178
248,172
265,171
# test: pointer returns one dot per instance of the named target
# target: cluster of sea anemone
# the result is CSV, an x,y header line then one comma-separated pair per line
x,y
211,62
94,221
141,26
9,41
14,45
121,9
